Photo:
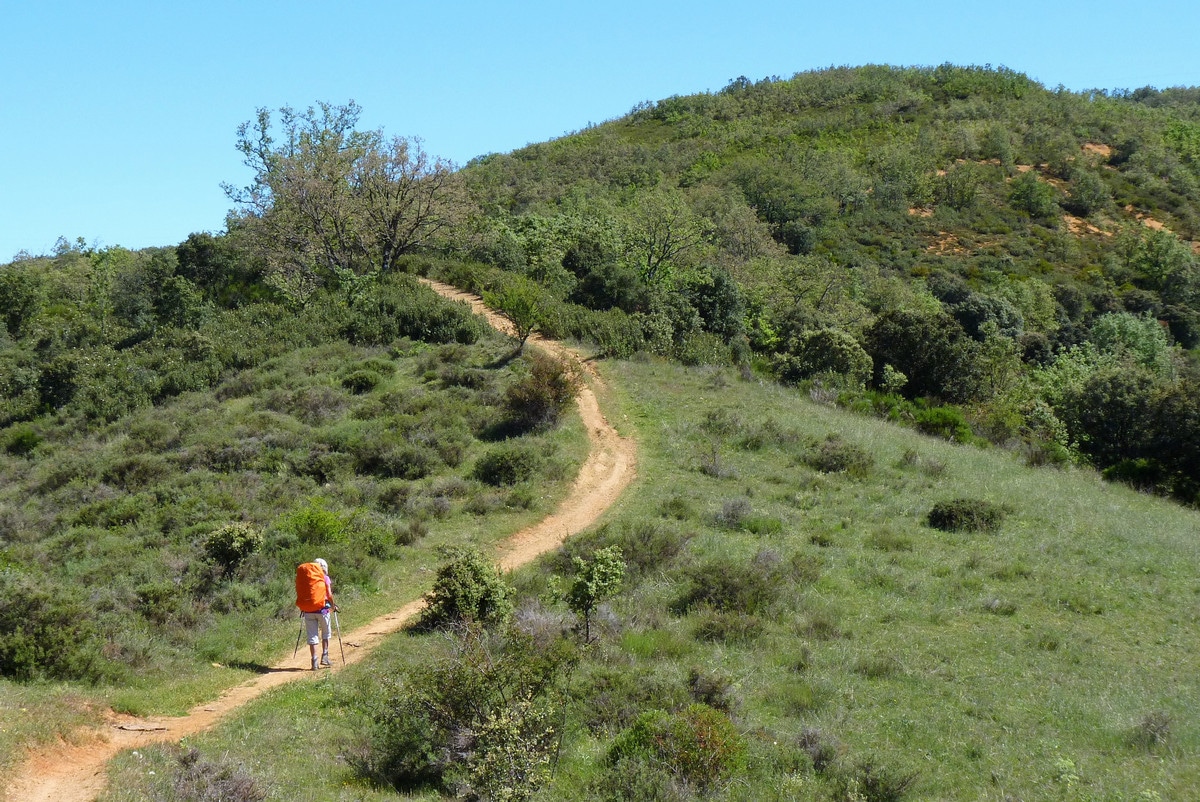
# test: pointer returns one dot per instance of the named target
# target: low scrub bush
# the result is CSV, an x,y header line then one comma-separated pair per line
x,y
476,722
361,381
538,399
507,464
467,588
697,746
1153,730
199,780
728,586
835,455
21,439
46,631
869,782
947,422
229,545
728,626
313,524
966,515
614,697
712,689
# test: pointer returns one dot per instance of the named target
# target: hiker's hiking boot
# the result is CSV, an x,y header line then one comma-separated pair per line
x,y
315,664
325,661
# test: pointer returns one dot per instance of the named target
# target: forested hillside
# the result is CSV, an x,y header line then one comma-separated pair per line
x,y
903,238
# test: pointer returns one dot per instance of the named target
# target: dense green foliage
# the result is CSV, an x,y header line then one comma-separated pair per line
x,y
950,234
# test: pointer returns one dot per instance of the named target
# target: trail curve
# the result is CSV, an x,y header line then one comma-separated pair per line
x,y
76,771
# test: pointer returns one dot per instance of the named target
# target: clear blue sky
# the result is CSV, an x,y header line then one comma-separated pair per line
x,y
117,120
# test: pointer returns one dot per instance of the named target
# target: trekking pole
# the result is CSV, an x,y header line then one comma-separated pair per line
x,y
338,626
299,635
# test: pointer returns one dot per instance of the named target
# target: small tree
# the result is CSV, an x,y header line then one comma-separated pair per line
x,y
595,580
520,303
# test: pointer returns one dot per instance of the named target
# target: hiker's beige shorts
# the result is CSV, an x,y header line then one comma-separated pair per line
x,y
316,626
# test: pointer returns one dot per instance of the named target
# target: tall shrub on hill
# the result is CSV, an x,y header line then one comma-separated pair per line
x,y
931,350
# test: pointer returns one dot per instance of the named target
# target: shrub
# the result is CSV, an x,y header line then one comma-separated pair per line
x,y
837,456
21,440
699,746
507,464
714,690
966,515
361,381
734,512
474,724
947,422
46,631
646,546
466,588
728,626
232,543
314,525
1154,729
537,400
199,780
727,586
871,783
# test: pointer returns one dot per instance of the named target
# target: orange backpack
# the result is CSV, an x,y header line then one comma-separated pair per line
x,y
310,588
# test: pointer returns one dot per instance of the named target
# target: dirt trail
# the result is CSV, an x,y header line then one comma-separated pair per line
x,y
76,772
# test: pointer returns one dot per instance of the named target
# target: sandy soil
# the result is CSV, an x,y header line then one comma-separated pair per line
x,y
76,771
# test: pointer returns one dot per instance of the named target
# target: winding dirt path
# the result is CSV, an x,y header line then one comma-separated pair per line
x,y
76,772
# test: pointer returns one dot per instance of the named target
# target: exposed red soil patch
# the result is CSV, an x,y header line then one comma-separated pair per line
x,y
75,772
1079,226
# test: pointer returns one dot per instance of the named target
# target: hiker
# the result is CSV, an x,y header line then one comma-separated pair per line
x,y
314,597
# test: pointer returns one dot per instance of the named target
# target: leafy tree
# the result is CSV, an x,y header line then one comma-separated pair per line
x,y
595,580
328,197
720,302
1086,194
1140,339
1112,415
663,229
824,351
22,294
931,350
520,302
1030,194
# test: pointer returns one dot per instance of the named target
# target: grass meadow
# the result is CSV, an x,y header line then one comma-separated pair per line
x,y
782,570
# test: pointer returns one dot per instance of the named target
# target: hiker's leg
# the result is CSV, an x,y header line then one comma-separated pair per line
x,y
312,627
325,633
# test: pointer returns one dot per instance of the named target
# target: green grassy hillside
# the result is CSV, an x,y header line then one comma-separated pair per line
x,y
782,570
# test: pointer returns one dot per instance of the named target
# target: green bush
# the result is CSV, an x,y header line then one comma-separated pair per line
x,y
507,464
537,400
698,746
475,722
361,381
835,455
229,545
728,586
947,422
966,515
467,588
46,631
20,440
314,525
